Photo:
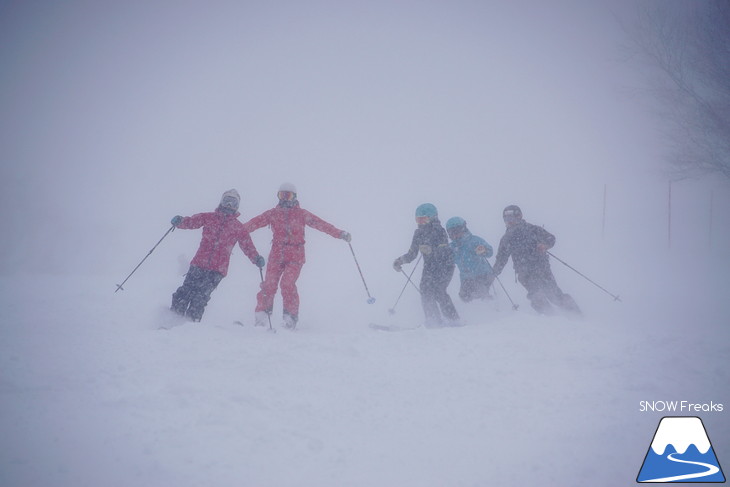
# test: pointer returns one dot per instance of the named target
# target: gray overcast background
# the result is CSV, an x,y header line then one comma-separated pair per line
x,y
115,116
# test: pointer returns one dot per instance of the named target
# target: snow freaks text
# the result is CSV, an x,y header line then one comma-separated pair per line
x,y
680,407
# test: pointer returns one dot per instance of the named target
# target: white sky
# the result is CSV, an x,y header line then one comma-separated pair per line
x,y
115,116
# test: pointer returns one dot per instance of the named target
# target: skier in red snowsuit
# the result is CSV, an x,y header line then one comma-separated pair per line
x,y
287,221
221,232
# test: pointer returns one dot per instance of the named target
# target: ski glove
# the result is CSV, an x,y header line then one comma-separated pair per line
x,y
176,220
260,262
397,265
346,236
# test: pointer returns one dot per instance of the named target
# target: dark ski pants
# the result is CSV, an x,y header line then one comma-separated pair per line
x,y
191,298
542,289
434,296
476,288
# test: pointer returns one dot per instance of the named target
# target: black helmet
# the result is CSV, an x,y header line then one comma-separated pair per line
x,y
512,214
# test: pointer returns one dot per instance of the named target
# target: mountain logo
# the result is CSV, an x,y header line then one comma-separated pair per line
x,y
680,452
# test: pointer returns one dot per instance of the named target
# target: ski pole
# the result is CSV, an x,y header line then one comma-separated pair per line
x,y
261,273
615,297
392,310
409,280
119,286
514,306
371,299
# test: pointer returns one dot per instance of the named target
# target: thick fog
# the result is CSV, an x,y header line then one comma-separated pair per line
x,y
117,116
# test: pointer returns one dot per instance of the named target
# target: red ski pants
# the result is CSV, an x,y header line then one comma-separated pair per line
x,y
287,273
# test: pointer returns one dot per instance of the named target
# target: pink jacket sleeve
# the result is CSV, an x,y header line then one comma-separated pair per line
x,y
246,244
192,222
317,223
258,222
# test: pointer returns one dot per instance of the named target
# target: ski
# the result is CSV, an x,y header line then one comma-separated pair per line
x,y
376,326
240,323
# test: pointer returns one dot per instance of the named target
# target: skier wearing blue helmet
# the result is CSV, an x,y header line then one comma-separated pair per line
x,y
438,267
470,254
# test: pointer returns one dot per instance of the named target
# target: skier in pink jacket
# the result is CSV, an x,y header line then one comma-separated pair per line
x,y
287,221
221,232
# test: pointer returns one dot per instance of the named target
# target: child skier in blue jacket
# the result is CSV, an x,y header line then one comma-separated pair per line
x,y
470,255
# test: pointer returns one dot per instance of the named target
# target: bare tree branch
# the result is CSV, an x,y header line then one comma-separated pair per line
x,y
684,47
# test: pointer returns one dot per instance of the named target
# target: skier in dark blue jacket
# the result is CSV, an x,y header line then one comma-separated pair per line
x,y
438,267
470,254
528,245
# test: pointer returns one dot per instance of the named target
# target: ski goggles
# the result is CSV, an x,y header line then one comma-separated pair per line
x,y
455,231
229,202
422,220
286,195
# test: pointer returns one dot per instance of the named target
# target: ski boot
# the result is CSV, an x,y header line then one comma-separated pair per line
x,y
290,321
261,318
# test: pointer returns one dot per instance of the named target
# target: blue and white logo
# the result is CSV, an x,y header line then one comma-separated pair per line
x,y
681,452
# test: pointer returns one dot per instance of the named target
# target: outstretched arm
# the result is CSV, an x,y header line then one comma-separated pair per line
x,y
317,223
412,251
258,222
408,256
192,222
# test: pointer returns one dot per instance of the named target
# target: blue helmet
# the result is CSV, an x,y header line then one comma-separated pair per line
x,y
455,221
426,209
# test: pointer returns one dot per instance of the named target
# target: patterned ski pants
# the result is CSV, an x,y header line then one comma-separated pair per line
x,y
191,298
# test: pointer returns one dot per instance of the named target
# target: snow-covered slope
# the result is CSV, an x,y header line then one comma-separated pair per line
x,y
94,393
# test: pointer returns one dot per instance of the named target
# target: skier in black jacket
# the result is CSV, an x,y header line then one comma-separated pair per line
x,y
431,240
528,245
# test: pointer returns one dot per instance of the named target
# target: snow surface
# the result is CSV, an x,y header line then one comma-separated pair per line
x,y
94,393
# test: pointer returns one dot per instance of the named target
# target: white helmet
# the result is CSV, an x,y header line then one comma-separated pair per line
x,y
288,187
